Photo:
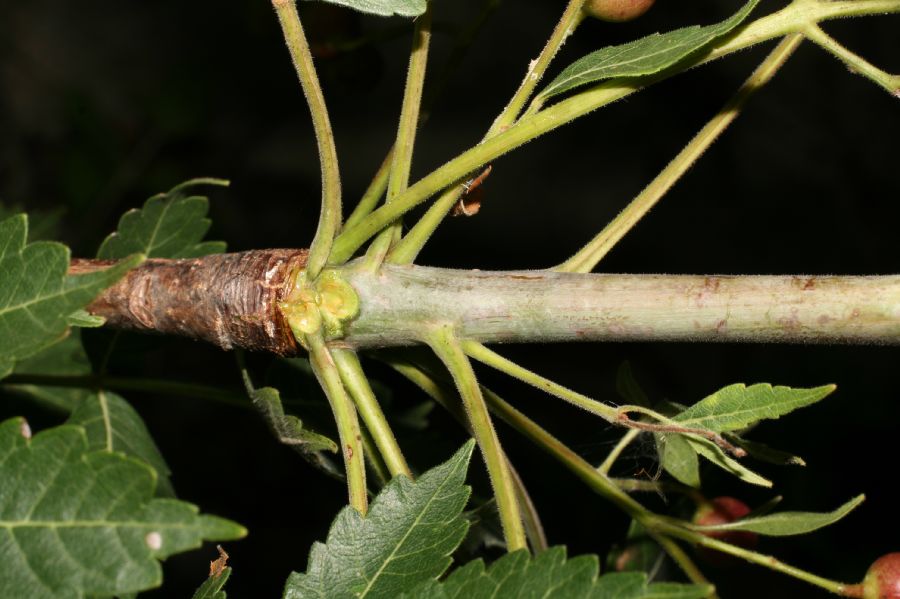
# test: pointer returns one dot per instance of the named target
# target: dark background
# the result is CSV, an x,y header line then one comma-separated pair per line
x,y
103,104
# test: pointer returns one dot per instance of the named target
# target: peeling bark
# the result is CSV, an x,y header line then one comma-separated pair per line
x,y
230,300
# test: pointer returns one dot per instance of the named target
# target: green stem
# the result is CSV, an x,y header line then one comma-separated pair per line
x,y
792,19
568,22
587,258
534,529
672,528
635,485
112,383
412,243
426,379
657,526
491,358
612,415
684,561
447,347
400,302
373,459
623,443
571,460
855,63
345,417
357,384
378,186
406,132
330,215
373,192
408,248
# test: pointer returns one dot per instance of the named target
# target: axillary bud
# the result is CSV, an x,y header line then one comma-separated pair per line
x,y
326,304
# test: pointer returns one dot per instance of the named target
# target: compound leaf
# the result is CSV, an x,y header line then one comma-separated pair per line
x,y
785,524
549,574
405,539
739,406
645,56
170,225
38,296
111,424
76,523
385,8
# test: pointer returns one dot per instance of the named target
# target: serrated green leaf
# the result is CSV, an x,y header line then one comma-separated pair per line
x,y
66,358
739,406
678,458
549,574
75,522
212,586
170,225
645,56
37,295
714,454
385,8
785,524
405,539
288,429
111,424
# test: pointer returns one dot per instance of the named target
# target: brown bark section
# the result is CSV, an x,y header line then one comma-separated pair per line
x,y
230,300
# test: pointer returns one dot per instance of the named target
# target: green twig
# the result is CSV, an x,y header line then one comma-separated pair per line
x,y
345,417
792,19
408,248
613,455
855,63
586,259
373,460
412,243
534,529
330,215
373,192
357,384
673,528
658,526
568,22
636,485
684,561
426,378
491,358
448,349
618,416
402,152
378,186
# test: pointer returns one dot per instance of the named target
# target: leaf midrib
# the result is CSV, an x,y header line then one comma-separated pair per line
x,y
698,421
409,530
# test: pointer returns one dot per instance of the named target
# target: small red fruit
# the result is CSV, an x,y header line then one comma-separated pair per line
x,y
722,510
882,581
617,11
